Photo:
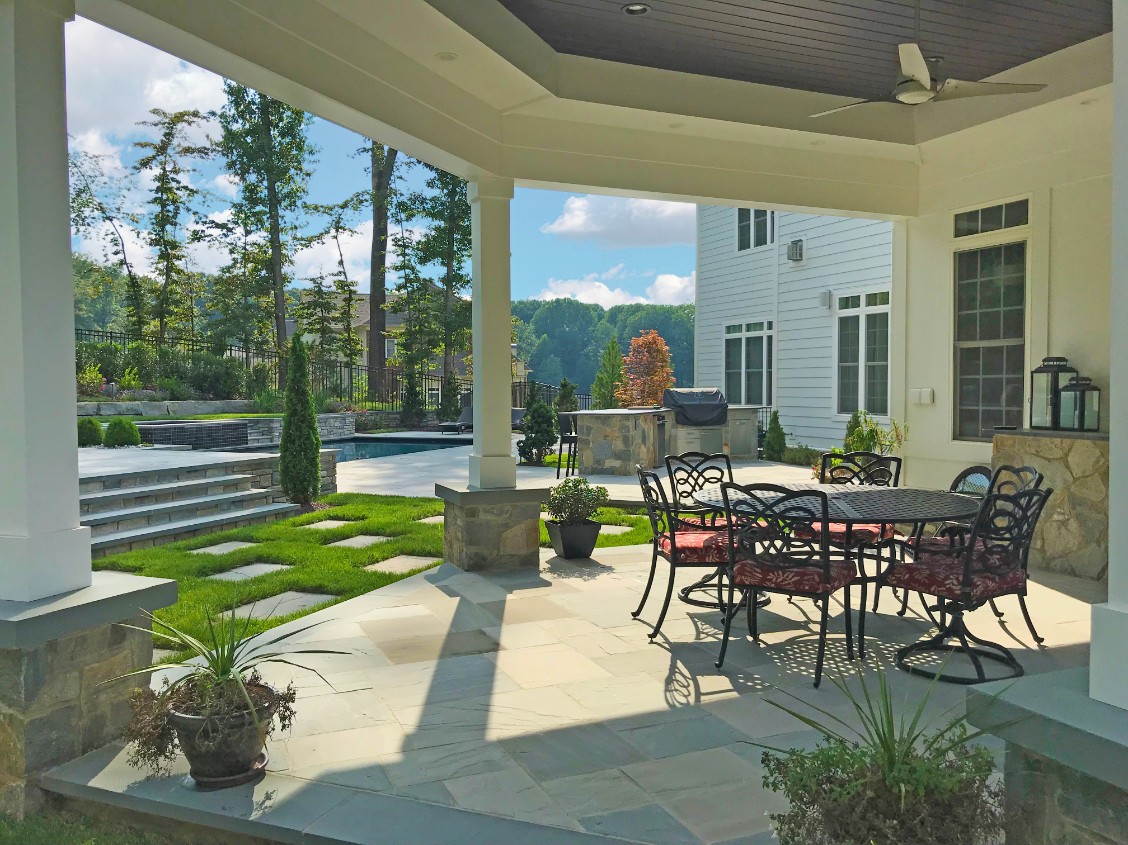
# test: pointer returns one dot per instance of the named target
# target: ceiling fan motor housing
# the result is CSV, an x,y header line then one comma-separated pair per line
x,y
911,92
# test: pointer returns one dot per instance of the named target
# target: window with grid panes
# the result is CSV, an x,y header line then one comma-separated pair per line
x,y
863,353
755,227
749,363
990,337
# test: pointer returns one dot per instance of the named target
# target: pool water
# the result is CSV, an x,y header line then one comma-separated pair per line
x,y
359,450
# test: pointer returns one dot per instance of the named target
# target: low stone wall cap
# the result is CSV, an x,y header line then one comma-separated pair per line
x,y
464,495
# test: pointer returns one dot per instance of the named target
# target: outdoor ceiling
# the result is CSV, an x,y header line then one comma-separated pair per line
x,y
844,47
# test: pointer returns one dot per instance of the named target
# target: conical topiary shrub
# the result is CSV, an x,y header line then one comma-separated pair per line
x,y
299,464
775,441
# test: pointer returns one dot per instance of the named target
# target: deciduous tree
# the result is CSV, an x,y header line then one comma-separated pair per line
x,y
646,371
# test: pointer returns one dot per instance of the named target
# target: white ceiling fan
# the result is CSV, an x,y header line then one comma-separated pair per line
x,y
917,86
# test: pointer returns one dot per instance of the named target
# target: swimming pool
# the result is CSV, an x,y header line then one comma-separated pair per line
x,y
384,447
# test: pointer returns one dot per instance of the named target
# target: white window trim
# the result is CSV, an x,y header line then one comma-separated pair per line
x,y
861,310
742,335
966,243
773,230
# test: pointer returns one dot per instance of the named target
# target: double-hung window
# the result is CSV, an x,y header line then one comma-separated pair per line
x,y
748,363
755,227
989,270
863,353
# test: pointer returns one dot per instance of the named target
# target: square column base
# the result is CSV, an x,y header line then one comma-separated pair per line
x,y
55,656
1108,682
491,530
493,472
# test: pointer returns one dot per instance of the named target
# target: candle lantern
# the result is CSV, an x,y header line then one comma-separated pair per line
x,y
1080,405
1046,382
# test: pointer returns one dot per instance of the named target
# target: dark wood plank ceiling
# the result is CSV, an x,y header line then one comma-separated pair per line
x,y
846,47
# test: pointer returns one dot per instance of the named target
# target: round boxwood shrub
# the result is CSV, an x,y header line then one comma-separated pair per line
x,y
89,432
121,432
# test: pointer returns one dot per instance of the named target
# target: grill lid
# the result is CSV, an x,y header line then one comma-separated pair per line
x,y
697,405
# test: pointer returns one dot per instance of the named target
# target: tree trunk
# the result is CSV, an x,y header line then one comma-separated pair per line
x,y
266,137
383,163
448,305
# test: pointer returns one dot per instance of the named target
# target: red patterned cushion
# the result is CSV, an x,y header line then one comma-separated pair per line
x,y
799,579
860,533
942,575
698,546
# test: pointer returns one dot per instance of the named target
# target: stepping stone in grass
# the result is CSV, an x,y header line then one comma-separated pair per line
x,y
616,529
360,541
326,523
432,520
401,563
160,655
223,548
251,570
281,604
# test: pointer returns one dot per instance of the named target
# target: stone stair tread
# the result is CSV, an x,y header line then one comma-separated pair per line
x,y
215,522
118,514
164,487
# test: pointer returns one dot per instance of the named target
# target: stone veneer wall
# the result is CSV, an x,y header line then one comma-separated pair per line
x,y
1072,535
267,431
1052,804
54,708
262,433
170,409
613,443
497,536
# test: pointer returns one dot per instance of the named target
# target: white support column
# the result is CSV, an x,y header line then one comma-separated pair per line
x,y
43,550
492,466
1108,682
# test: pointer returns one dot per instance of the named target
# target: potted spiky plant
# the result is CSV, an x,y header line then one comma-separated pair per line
x,y
896,779
219,712
572,504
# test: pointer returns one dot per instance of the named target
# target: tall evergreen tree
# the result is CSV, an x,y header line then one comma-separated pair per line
x,y
382,162
315,315
299,450
166,160
240,298
267,147
420,335
609,378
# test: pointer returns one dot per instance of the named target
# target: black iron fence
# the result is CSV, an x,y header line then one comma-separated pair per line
x,y
548,393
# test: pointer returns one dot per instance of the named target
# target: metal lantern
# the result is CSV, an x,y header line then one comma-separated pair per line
x,y
1080,405
1045,390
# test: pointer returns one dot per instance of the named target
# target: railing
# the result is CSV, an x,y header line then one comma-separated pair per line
x,y
548,393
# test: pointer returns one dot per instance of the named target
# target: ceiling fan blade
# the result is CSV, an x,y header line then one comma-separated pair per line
x,y
843,108
953,89
913,65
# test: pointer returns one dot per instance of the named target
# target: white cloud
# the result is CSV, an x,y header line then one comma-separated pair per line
x,y
322,258
98,244
616,222
670,289
588,289
226,185
113,81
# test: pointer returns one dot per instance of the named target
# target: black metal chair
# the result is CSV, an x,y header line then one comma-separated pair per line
x,y
680,543
774,547
566,425
1010,479
988,562
689,473
860,468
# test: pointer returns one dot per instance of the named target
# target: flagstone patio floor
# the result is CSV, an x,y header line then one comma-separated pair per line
x,y
531,708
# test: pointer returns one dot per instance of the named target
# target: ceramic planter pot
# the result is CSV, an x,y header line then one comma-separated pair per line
x,y
572,541
228,753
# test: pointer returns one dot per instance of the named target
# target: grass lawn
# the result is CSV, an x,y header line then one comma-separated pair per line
x,y
313,565
57,830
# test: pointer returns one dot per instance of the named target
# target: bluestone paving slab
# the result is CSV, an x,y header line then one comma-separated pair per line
x,y
432,520
427,648
360,541
362,774
407,767
717,813
547,665
596,793
682,736
251,570
327,523
508,792
282,604
614,530
223,548
401,563
576,750
522,608
649,823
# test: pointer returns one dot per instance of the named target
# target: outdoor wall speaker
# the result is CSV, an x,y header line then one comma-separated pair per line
x,y
826,298
795,250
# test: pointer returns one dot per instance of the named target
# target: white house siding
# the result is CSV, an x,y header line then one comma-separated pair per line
x,y
842,255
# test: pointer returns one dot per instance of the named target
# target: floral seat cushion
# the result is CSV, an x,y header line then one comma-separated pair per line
x,y
860,534
941,575
797,579
710,546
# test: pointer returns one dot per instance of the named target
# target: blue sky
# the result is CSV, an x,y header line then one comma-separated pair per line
x,y
600,249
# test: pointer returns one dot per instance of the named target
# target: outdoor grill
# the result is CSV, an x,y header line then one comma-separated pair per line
x,y
697,406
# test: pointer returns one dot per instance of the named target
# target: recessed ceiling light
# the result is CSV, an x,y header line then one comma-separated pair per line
x,y
636,9
446,56
676,125
1089,101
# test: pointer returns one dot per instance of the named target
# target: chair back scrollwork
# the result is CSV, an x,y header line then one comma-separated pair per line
x,y
1003,532
1010,480
662,520
690,472
863,468
973,481
775,527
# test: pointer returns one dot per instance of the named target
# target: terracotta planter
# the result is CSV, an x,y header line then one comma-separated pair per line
x,y
237,756
573,541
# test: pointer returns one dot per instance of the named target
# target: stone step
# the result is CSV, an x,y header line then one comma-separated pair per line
x,y
123,519
144,537
133,477
153,494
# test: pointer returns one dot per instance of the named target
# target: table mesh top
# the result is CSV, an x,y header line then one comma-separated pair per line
x,y
853,503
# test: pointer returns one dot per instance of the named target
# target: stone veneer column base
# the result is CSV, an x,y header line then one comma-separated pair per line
x,y
1066,774
491,530
55,654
